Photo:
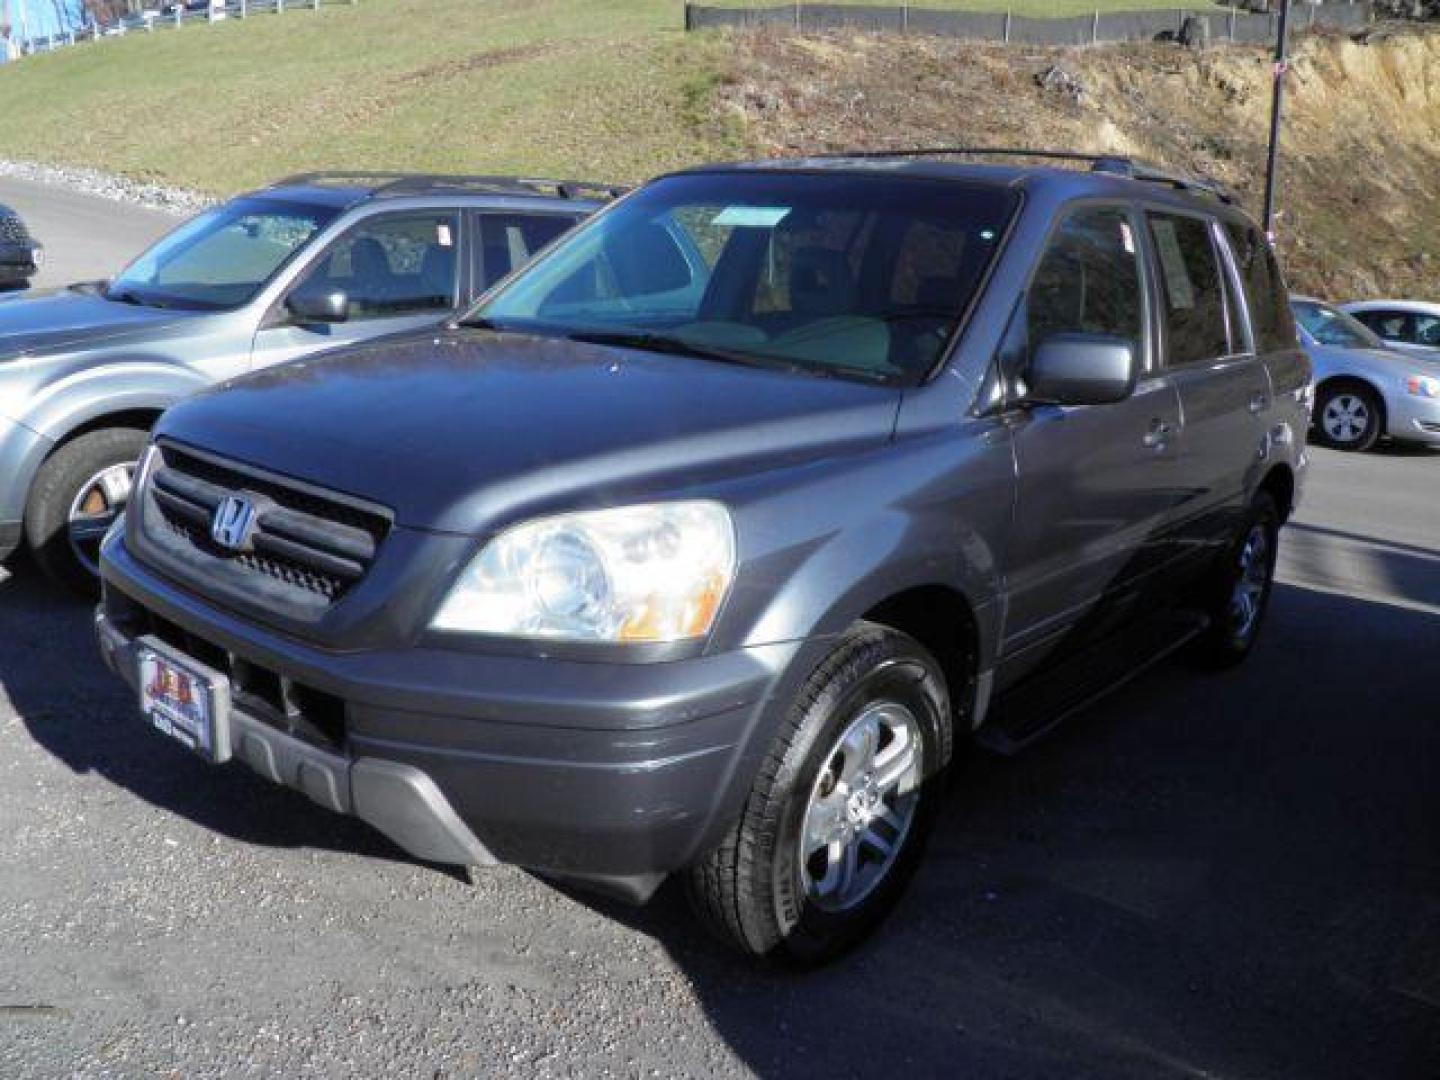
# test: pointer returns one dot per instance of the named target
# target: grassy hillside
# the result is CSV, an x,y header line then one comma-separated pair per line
x,y
605,88
1360,191
612,89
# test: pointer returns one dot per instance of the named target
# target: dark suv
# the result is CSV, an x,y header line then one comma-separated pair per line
x,y
704,543
20,253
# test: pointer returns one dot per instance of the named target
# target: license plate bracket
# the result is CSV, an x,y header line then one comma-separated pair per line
x,y
184,699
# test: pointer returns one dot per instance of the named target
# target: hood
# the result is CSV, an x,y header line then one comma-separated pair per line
x,y
64,318
456,431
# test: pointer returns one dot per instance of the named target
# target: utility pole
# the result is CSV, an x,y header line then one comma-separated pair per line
x,y
1282,67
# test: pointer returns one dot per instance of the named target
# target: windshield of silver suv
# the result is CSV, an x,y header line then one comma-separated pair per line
x,y
222,258
1331,326
842,275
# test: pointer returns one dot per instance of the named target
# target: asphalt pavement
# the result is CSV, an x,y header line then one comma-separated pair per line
x,y
1230,875
85,238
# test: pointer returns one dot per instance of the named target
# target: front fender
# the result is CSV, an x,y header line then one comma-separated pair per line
x,y
53,411
928,510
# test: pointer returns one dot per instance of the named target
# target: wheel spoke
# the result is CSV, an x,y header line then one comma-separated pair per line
x,y
115,486
881,845
895,766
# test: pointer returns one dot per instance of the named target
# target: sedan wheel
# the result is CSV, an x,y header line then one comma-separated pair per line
x,y
1348,418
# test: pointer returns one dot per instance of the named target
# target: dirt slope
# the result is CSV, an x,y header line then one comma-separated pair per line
x,y
1361,184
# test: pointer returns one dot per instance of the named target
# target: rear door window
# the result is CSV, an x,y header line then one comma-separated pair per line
x,y
1193,310
1427,330
1390,325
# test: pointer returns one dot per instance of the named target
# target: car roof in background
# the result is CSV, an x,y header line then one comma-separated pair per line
x,y
1410,307
346,189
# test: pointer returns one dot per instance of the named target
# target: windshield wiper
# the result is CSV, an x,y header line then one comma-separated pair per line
x,y
130,296
479,322
648,341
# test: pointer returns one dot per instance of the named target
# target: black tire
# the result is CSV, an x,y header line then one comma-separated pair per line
x,y
1233,628
1337,407
751,890
57,486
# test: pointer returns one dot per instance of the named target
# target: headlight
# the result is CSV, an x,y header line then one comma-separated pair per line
x,y
654,573
1423,386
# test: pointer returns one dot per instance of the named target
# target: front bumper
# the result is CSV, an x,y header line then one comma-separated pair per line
x,y
612,774
1413,418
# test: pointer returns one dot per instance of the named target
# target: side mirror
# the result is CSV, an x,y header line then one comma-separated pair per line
x,y
332,306
1081,369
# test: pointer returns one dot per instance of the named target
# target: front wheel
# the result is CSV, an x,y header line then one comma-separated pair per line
x,y
834,825
79,492
1348,416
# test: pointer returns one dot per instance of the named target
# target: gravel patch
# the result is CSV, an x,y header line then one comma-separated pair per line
x,y
109,186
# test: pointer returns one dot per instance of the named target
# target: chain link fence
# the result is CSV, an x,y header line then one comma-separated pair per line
x,y
1003,26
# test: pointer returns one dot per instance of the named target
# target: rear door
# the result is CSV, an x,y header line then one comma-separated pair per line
x,y
1095,483
400,271
1208,352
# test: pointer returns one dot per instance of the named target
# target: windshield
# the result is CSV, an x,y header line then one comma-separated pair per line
x,y
222,258
1331,326
858,276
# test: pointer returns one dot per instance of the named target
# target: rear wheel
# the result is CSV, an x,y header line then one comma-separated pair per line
x,y
1348,416
834,825
79,492
1240,589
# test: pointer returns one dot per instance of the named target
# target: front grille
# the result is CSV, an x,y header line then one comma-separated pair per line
x,y
310,546
282,703
12,230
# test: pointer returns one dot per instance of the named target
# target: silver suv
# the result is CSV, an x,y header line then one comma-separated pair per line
x,y
308,264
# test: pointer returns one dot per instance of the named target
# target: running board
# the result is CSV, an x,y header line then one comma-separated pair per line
x,y
1041,703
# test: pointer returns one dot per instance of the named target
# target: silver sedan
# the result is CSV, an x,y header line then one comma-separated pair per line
x,y
1363,388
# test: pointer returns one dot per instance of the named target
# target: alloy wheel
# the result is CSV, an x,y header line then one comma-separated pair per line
x,y
94,509
861,806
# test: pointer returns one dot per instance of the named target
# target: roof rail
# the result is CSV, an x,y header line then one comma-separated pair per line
x,y
1110,164
384,184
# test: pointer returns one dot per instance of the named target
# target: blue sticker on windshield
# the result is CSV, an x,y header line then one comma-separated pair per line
x,y
752,217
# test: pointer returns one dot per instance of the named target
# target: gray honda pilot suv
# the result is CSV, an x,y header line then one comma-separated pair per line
x,y
704,544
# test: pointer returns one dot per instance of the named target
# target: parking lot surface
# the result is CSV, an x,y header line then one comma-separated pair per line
x,y
1234,875
85,237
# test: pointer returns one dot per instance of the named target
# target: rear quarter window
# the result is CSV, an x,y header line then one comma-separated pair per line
x,y
1270,316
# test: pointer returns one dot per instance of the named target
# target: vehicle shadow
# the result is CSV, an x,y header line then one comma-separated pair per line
x,y
51,673
1234,874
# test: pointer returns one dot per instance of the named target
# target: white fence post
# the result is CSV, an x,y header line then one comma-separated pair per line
x,y
1095,28
317,5
279,7
1008,15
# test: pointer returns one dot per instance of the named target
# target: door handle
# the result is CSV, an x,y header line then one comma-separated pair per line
x,y
1158,437
1258,401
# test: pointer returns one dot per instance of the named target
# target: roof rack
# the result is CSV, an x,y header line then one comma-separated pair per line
x,y
1110,164
398,184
